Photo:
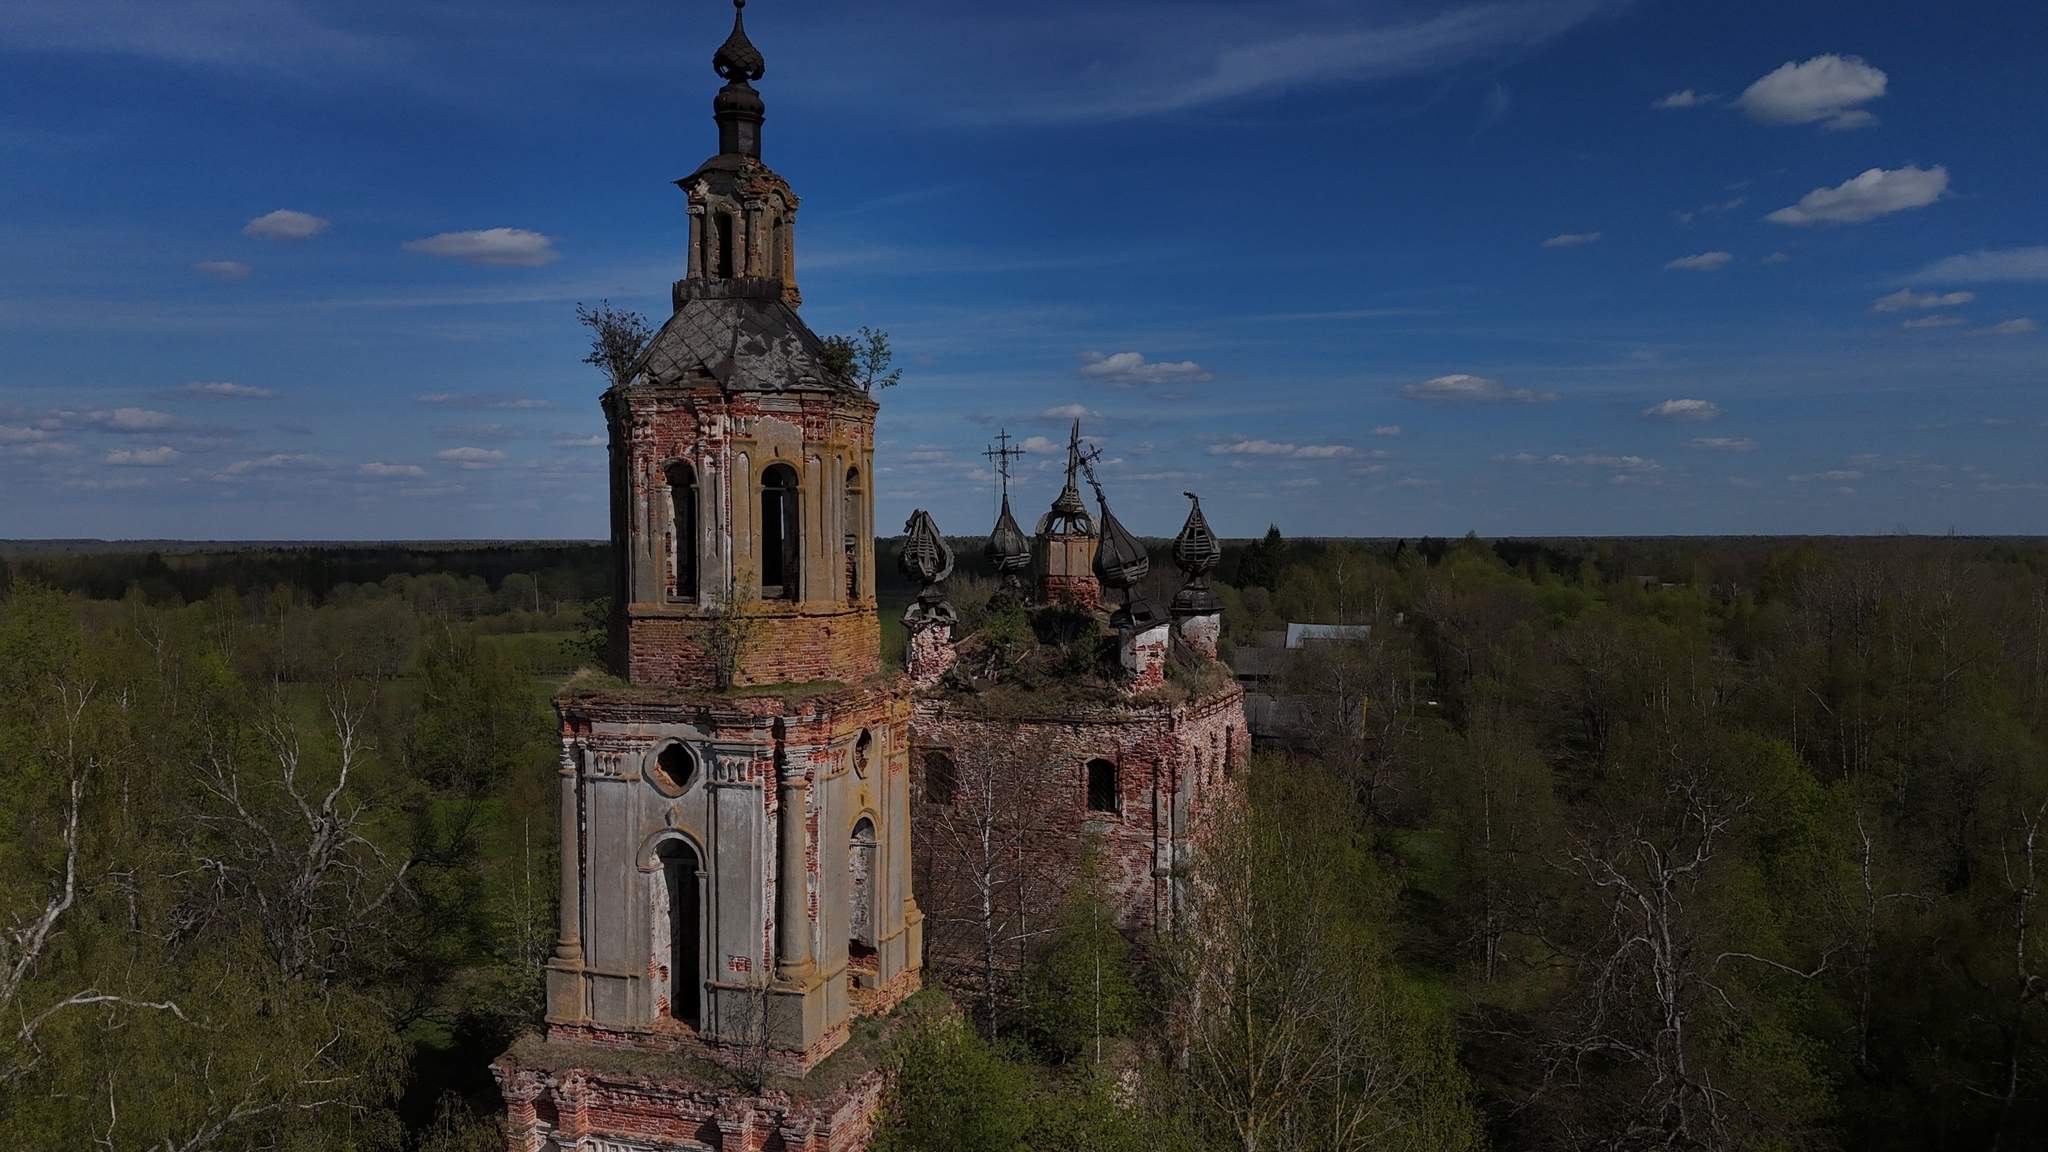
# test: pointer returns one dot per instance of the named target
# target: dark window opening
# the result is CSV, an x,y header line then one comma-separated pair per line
x,y
850,516
724,266
860,866
775,265
779,534
1103,795
682,493
941,779
686,981
675,768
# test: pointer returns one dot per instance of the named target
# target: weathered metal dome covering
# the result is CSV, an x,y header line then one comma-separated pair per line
x,y
737,59
1195,551
1007,549
1120,560
926,558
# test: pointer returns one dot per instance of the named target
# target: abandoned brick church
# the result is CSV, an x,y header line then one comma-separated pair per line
x,y
754,811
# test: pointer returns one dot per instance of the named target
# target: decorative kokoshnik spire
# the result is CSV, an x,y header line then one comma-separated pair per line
x,y
1195,551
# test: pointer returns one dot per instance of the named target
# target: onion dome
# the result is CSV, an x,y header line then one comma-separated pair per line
x,y
737,60
1069,516
927,559
737,108
1195,552
1120,562
1007,550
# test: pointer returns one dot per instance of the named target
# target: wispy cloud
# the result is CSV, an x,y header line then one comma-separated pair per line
x,y
1460,388
1703,262
1071,412
470,456
1590,460
2004,264
1387,430
143,456
2017,327
223,269
1905,299
1933,322
1681,411
1877,192
383,471
1683,99
1130,370
1825,88
482,400
285,224
490,247
1270,448
221,390
1571,239
1722,444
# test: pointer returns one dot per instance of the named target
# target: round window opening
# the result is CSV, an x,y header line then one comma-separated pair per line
x,y
672,770
862,749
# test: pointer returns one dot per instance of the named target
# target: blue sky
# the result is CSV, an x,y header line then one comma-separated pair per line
x,y
275,269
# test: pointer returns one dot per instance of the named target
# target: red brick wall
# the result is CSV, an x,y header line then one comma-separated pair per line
x,y
1156,748
790,646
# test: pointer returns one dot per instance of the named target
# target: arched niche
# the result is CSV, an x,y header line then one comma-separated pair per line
x,y
683,530
781,533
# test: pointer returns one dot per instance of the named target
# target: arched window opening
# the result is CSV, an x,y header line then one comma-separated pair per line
x,y
780,573
682,501
685,979
775,265
941,779
850,517
724,242
860,891
862,749
1103,794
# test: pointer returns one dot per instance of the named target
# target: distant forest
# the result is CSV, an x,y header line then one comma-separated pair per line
x,y
1618,843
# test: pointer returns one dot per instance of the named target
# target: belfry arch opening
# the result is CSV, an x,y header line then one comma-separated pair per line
x,y
722,246
677,936
851,517
780,534
860,892
683,543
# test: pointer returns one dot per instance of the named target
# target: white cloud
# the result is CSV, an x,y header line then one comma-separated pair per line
x,y
1934,322
1826,88
133,419
1684,99
1071,412
1774,258
1301,482
1387,430
279,460
1269,448
387,471
1570,239
224,269
1560,460
10,434
482,400
1129,370
1680,411
470,455
285,224
1838,474
491,247
1875,193
1906,300
143,456
1041,444
2006,264
1723,444
216,391
1704,262
2005,328
1459,388
591,441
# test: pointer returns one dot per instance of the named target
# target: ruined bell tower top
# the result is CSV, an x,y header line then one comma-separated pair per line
x,y
737,107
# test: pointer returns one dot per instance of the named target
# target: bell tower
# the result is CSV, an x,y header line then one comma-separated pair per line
x,y
742,498
735,818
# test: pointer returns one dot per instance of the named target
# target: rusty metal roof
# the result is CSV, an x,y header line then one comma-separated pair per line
x,y
742,334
